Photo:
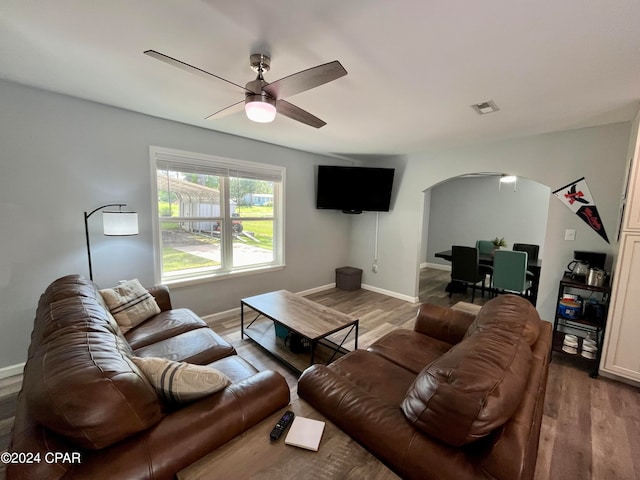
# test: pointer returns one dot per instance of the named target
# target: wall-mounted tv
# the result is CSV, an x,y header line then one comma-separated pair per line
x,y
354,189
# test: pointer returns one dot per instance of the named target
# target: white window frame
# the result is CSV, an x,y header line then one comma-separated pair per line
x,y
159,156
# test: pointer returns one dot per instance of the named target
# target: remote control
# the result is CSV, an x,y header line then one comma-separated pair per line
x,y
282,425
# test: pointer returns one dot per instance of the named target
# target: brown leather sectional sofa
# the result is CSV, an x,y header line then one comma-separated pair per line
x,y
82,394
459,397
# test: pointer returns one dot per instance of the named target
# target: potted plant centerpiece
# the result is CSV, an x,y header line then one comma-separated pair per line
x,y
498,243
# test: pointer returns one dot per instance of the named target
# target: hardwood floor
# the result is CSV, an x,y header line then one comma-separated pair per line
x,y
590,429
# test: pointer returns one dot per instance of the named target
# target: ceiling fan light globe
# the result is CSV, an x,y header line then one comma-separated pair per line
x,y
260,108
508,179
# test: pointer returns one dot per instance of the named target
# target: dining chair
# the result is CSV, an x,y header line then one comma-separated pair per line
x,y
532,253
486,247
510,273
531,249
465,268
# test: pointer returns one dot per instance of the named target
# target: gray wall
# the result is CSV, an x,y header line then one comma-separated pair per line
x,y
464,210
425,223
62,156
553,159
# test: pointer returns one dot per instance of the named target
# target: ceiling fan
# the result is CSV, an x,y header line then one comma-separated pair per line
x,y
262,99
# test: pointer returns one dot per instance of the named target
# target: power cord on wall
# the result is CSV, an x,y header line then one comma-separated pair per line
x,y
374,267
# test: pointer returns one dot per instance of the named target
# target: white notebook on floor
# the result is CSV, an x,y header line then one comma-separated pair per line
x,y
305,433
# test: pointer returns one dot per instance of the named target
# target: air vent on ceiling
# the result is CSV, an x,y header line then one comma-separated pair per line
x,y
485,107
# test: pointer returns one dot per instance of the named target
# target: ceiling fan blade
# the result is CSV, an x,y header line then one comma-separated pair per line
x,y
230,110
187,68
305,80
296,113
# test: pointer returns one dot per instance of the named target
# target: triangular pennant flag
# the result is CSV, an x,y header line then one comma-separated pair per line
x,y
577,197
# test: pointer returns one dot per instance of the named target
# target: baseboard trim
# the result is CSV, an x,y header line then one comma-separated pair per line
x,y
214,317
437,266
11,370
322,288
390,293
619,378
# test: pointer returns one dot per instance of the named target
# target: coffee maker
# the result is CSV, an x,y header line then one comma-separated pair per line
x,y
578,270
593,259
586,265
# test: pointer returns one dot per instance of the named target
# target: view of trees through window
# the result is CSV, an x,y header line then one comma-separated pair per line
x,y
212,223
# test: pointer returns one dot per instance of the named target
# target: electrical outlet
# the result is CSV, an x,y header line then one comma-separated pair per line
x,y
569,234
374,268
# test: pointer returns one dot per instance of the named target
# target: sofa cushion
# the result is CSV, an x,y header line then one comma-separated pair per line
x,y
69,286
162,326
200,346
180,382
472,389
442,323
409,349
75,312
71,301
130,304
81,384
375,375
235,367
508,312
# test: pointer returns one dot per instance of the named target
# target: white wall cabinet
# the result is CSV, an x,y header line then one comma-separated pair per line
x,y
632,208
621,352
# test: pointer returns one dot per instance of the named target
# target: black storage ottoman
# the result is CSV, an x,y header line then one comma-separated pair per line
x,y
348,278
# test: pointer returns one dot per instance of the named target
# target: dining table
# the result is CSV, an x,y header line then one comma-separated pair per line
x,y
534,265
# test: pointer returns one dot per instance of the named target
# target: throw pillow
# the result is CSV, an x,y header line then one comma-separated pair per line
x,y
130,304
180,382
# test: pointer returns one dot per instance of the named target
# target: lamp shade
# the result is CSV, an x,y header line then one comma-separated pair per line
x,y
120,223
260,108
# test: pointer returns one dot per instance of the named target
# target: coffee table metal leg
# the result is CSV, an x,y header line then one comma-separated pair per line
x,y
241,320
344,339
313,351
357,328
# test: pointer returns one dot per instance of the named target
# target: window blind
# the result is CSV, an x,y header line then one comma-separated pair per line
x,y
209,165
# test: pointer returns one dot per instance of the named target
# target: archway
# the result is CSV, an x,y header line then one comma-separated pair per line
x,y
466,208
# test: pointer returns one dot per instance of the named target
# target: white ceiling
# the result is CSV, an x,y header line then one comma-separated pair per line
x,y
414,66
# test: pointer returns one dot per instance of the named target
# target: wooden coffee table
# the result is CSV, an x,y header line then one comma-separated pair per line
x,y
325,329
253,455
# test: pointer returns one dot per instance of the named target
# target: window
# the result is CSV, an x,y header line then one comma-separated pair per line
x,y
216,216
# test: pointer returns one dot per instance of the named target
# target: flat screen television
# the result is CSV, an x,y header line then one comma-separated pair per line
x,y
354,189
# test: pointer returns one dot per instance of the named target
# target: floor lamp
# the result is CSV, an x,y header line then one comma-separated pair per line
x,y
113,223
